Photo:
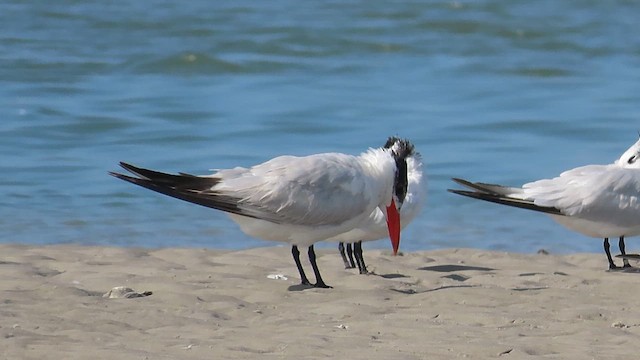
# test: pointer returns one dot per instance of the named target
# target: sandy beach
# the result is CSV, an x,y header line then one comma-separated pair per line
x,y
209,304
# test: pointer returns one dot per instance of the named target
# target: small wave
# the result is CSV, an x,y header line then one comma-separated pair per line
x,y
189,63
542,72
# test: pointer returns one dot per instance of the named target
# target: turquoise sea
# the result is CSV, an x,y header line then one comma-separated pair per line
x,y
494,90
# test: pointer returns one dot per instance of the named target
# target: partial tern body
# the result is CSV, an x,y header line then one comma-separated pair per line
x,y
375,227
600,201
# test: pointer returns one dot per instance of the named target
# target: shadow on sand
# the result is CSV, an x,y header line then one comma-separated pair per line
x,y
452,268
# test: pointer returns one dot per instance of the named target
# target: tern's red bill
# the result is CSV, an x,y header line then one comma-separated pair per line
x,y
393,223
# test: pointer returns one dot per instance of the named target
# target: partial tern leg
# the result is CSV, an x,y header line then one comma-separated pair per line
x,y
344,257
296,258
312,258
612,265
350,253
357,249
622,251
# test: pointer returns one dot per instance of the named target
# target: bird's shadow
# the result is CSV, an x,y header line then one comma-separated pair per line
x,y
385,276
453,267
299,287
392,276
530,288
303,287
629,256
626,270
456,277
413,292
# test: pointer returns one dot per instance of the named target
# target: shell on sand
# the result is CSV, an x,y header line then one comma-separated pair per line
x,y
123,292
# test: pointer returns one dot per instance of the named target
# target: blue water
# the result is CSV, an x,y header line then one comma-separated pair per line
x,y
496,91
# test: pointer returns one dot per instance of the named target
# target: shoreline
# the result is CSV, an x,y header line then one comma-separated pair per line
x,y
205,303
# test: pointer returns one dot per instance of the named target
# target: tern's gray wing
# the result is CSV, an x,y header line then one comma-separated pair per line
x,y
316,190
597,192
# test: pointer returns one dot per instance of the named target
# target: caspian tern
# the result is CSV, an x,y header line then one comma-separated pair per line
x,y
375,227
297,200
595,200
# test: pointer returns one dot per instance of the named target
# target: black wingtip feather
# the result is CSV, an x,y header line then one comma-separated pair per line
x,y
194,189
123,177
481,187
182,181
463,182
523,204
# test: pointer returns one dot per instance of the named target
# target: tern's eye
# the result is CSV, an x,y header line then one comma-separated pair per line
x,y
632,159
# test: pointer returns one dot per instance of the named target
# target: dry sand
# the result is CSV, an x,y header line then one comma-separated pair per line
x,y
209,304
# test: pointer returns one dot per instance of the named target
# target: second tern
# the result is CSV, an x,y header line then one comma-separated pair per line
x,y
600,201
375,228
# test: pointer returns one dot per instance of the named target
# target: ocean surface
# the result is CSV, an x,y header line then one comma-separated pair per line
x,y
495,91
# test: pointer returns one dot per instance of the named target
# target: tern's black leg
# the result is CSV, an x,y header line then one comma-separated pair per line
x,y
344,256
312,258
357,249
622,251
606,250
350,253
296,257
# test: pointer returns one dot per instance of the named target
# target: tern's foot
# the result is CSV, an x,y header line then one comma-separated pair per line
x,y
306,282
349,267
627,266
322,285
364,272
